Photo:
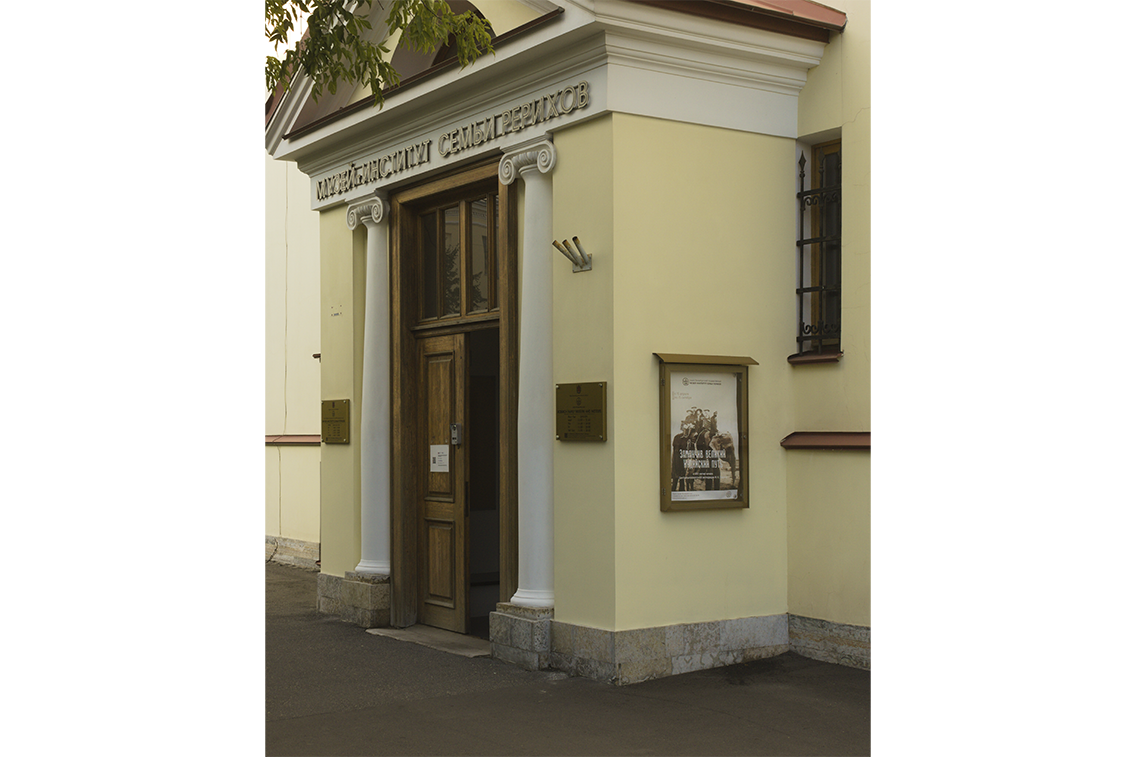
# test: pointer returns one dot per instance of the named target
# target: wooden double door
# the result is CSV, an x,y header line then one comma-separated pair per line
x,y
454,403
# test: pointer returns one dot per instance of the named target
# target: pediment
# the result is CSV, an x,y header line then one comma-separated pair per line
x,y
298,110
739,68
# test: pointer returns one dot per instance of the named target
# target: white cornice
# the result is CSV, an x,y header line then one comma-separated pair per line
x,y
711,66
685,45
638,59
441,87
409,122
287,112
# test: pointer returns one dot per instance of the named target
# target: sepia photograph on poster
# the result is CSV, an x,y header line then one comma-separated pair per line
x,y
703,426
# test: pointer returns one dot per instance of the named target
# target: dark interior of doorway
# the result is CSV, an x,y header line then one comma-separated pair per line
x,y
484,479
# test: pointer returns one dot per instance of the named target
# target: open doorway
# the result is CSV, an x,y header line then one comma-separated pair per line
x,y
484,479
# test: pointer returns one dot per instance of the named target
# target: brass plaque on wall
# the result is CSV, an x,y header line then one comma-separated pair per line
x,y
336,421
581,412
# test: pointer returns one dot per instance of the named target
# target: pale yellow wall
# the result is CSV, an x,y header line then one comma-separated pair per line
x,y
272,492
688,567
342,287
680,194
292,381
620,562
506,14
292,302
819,106
829,534
836,102
275,293
583,352
292,488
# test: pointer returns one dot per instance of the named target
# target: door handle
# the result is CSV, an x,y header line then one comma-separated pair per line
x,y
456,434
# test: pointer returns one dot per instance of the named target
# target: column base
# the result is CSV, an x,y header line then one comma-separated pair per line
x,y
520,635
373,568
359,598
535,598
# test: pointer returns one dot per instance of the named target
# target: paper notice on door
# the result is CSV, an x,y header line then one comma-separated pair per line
x,y
439,458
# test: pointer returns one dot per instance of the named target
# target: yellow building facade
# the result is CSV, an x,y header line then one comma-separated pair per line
x,y
707,166
292,385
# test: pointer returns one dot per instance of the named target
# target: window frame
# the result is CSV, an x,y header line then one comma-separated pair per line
x,y
463,202
824,283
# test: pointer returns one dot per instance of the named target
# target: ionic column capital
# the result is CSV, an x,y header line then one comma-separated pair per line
x,y
540,155
370,210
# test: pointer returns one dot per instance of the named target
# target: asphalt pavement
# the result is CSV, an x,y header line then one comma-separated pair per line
x,y
331,688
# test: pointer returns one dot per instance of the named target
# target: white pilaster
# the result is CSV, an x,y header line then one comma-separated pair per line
x,y
535,405
375,413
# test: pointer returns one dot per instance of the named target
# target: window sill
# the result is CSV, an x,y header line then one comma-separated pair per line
x,y
808,358
828,440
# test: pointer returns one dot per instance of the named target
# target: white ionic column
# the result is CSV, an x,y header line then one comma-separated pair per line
x,y
375,413
535,406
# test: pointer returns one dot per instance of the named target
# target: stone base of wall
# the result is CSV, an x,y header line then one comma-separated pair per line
x,y
534,640
640,654
826,641
303,554
359,598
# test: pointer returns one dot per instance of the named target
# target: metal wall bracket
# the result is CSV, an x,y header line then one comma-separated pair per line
x,y
581,261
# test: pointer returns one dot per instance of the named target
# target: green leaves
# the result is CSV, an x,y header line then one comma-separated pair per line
x,y
337,49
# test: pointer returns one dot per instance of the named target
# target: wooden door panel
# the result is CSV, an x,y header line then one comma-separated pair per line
x,y
440,381
443,531
441,580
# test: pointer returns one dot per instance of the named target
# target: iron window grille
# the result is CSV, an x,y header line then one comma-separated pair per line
x,y
818,254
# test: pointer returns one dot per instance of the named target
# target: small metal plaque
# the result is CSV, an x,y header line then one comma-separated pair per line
x,y
336,421
581,412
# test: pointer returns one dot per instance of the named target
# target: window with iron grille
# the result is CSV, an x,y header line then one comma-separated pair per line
x,y
818,255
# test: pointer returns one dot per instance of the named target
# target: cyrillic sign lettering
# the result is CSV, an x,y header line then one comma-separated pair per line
x,y
468,136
